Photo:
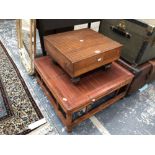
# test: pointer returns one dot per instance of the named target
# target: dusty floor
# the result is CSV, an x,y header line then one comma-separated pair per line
x,y
132,115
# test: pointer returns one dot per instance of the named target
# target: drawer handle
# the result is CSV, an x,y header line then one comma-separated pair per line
x,y
99,59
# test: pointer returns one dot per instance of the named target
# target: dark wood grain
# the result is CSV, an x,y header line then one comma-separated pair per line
x,y
141,79
152,72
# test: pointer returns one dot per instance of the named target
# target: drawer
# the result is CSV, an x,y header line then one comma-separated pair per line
x,y
98,60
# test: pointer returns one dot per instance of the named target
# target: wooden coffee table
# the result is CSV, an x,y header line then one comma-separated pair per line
x,y
75,103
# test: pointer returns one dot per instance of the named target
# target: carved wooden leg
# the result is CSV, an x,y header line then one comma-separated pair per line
x,y
54,62
69,129
106,67
76,80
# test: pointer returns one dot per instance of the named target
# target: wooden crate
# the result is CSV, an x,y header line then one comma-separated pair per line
x,y
81,51
75,103
151,76
143,74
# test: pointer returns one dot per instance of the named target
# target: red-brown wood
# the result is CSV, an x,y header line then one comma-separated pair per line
x,y
144,74
72,98
151,76
81,51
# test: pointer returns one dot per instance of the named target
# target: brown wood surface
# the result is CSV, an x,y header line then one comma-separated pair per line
x,y
68,121
75,52
152,72
144,76
93,86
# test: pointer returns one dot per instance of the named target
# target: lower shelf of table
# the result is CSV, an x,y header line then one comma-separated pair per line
x,y
71,119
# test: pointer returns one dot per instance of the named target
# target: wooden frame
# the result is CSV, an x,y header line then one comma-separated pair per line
x,y
68,120
74,104
27,55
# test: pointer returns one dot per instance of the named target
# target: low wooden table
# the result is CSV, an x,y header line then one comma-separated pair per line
x,y
75,103
81,51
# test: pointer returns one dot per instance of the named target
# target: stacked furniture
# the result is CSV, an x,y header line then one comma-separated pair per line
x,y
138,38
89,58
84,72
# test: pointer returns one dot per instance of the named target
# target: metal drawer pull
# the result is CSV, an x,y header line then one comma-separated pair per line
x,y
99,59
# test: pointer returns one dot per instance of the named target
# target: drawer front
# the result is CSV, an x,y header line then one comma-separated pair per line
x,y
96,61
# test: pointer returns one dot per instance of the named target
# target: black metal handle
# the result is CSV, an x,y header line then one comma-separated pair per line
x,y
121,31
